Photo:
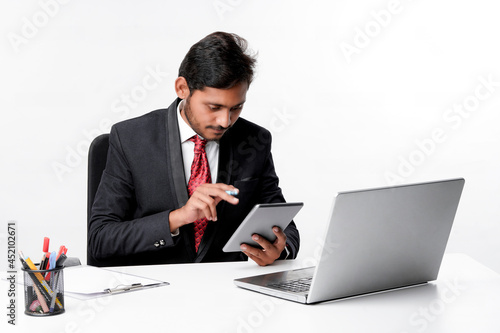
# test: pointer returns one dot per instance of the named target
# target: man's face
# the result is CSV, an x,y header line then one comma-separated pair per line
x,y
211,112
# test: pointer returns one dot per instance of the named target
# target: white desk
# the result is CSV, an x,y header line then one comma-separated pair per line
x,y
465,298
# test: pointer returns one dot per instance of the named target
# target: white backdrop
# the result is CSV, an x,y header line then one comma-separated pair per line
x,y
357,94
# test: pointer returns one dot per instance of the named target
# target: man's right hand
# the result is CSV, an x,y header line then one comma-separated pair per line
x,y
202,204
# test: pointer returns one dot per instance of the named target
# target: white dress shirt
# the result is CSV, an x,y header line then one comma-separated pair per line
x,y
187,146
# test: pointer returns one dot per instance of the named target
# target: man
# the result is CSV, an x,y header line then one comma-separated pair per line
x,y
162,197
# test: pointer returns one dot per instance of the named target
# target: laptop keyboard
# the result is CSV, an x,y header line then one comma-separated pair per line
x,y
295,286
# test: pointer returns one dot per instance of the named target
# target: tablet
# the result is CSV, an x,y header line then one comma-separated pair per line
x,y
261,219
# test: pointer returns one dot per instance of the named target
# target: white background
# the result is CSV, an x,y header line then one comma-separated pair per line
x,y
353,92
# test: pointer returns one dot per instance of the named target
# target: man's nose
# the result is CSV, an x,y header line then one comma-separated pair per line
x,y
224,118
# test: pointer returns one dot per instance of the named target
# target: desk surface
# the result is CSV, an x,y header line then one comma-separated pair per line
x,y
203,298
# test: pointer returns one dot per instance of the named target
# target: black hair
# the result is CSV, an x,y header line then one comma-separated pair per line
x,y
220,60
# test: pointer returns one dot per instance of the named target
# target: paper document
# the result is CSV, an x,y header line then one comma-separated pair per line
x,y
89,282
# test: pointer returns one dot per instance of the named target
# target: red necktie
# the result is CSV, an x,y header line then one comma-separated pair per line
x,y
200,174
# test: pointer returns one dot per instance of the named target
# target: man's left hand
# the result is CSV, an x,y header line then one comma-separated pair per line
x,y
269,252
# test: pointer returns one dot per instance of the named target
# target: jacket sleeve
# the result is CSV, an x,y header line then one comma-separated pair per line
x,y
271,192
113,230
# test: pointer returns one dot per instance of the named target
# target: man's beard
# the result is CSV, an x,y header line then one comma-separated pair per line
x,y
196,126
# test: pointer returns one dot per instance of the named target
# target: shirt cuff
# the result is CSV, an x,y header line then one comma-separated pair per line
x,y
287,252
175,233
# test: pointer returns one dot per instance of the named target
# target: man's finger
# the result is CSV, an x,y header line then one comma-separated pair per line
x,y
219,192
206,205
255,258
250,250
280,237
264,243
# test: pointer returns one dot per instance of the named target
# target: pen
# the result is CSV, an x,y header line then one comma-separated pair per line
x,y
61,251
42,261
56,290
45,249
60,261
51,265
232,192
41,299
53,284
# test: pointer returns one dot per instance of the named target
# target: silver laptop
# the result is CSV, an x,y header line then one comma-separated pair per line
x,y
377,240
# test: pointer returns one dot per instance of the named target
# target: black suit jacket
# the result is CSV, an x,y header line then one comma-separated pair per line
x,y
144,181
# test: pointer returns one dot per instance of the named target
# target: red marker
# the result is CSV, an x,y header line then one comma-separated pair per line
x,y
45,258
46,242
62,250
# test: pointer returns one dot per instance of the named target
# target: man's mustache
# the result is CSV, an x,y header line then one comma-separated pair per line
x,y
218,128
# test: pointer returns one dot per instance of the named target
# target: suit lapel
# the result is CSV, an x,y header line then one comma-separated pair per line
x,y
176,166
175,155
225,159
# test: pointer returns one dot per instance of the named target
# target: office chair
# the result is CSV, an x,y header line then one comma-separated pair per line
x,y
98,154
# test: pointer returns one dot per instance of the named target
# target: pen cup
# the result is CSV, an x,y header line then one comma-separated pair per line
x,y
44,292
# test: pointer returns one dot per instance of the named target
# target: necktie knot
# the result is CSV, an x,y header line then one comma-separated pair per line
x,y
199,143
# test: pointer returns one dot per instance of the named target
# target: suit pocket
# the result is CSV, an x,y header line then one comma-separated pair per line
x,y
247,195
247,187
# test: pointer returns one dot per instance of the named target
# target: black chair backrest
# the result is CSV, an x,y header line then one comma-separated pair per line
x,y
98,154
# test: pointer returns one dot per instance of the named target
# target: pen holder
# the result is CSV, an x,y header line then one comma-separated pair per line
x,y
44,292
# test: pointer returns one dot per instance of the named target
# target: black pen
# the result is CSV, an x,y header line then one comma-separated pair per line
x,y
60,261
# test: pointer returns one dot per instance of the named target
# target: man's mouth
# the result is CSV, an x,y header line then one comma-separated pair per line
x,y
218,129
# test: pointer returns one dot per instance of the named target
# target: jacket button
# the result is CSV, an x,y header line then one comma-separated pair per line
x,y
157,244
162,242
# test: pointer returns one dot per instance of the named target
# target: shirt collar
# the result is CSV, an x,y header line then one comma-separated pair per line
x,y
185,130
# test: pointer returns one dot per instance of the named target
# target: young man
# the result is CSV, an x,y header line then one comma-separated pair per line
x,y
162,198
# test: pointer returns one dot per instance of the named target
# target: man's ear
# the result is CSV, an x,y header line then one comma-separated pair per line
x,y
181,87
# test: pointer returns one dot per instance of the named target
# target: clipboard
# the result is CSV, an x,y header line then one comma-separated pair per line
x,y
86,282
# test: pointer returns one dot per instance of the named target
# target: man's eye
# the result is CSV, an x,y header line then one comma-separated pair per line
x,y
215,108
